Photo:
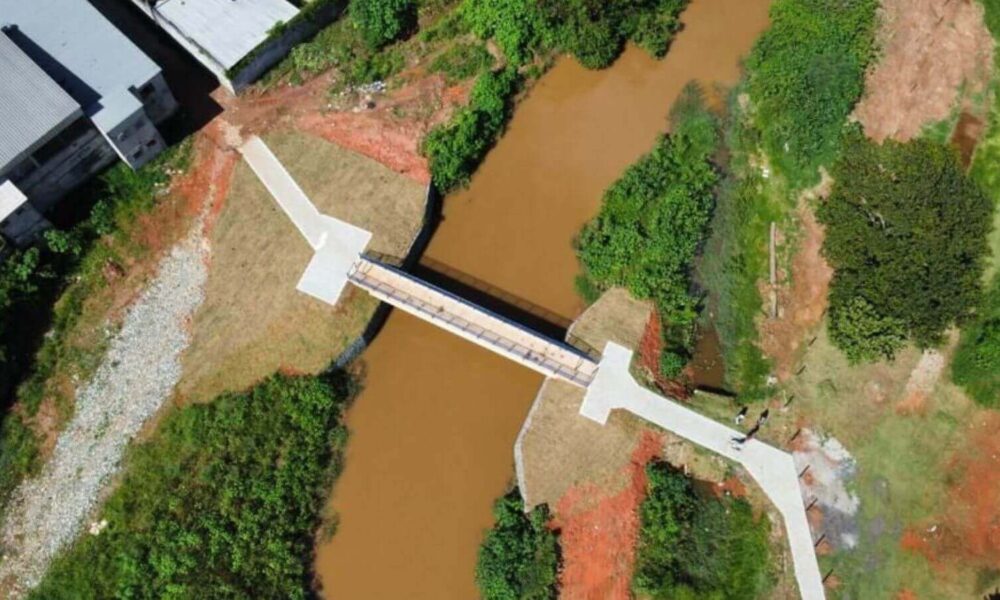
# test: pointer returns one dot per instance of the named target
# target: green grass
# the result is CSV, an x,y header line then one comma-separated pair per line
x,y
461,61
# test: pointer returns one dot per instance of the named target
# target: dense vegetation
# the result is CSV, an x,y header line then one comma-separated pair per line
x,y
653,221
804,76
906,235
461,61
222,503
455,149
692,546
42,295
383,21
519,558
595,31
976,365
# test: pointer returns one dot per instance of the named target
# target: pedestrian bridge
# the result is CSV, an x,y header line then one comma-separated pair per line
x,y
472,322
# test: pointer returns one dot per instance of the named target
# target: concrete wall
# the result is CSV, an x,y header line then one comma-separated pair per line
x,y
272,51
136,139
157,99
23,225
82,158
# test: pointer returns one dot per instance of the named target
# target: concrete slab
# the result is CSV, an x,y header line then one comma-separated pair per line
x,y
338,245
774,470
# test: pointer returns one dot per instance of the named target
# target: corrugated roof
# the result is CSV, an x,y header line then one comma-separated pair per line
x,y
77,47
31,104
226,29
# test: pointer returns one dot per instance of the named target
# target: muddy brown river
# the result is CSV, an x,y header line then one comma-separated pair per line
x,y
433,431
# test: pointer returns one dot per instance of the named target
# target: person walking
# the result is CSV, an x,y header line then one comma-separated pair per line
x,y
763,417
742,415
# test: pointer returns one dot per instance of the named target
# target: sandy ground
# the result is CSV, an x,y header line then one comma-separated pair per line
x,y
930,49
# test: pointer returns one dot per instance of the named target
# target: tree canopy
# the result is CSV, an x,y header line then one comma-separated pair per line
x,y
383,21
906,236
519,558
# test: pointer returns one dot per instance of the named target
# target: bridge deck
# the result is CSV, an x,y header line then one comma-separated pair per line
x,y
473,323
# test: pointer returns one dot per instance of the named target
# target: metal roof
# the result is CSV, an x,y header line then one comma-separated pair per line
x,y
227,30
32,106
77,47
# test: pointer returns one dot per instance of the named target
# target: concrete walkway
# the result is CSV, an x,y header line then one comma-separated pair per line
x,y
338,245
774,470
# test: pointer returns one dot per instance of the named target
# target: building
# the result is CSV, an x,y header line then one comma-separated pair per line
x,y
75,95
237,40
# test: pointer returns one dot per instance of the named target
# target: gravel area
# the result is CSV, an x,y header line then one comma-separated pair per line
x,y
136,376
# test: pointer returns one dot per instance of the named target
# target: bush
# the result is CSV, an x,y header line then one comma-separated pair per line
x,y
383,21
595,31
906,233
653,220
693,547
976,366
671,364
461,61
863,333
223,502
456,148
804,75
519,558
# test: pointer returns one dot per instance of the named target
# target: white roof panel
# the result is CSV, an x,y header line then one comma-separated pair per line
x,y
227,30
11,199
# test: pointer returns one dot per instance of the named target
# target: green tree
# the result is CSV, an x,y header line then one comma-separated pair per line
x,y
383,21
519,558
906,234
976,366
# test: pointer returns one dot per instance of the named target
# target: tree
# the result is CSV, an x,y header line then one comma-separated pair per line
x,y
519,558
383,21
906,236
976,366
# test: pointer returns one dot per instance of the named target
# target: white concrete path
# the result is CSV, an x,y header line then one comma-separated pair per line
x,y
774,470
338,245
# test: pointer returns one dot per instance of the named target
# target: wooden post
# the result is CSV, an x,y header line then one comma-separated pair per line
x,y
774,269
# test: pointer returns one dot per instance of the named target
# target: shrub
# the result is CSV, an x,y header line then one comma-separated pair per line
x,y
461,61
223,502
805,74
671,364
383,21
653,219
456,148
519,558
863,334
976,366
695,547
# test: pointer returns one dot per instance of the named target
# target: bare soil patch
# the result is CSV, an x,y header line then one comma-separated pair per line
x,y
599,531
930,49
802,303
254,321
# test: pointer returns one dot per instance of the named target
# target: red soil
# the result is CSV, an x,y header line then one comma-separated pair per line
x,y
905,594
803,304
650,347
973,516
599,531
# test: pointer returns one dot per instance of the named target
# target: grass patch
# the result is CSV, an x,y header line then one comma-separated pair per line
x,y
223,502
240,337
461,61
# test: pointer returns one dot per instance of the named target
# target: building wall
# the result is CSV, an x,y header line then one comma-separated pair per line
x,y
23,225
156,98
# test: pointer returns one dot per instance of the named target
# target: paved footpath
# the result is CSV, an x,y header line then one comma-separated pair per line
x,y
774,470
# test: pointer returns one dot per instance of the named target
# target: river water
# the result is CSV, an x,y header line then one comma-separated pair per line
x,y
433,431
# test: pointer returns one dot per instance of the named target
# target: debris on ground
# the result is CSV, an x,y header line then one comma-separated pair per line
x,y
831,468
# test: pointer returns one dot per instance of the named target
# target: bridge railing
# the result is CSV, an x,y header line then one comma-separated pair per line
x,y
435,313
